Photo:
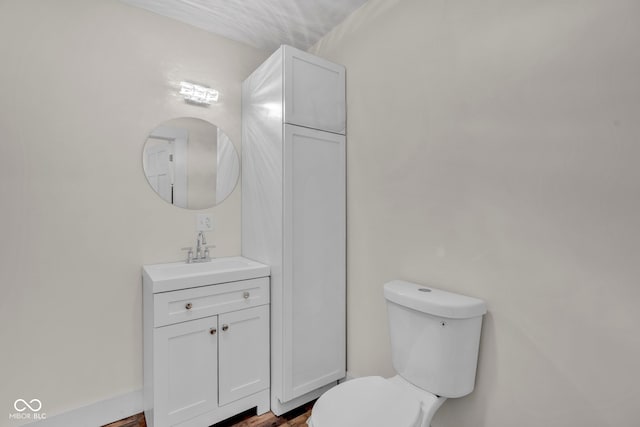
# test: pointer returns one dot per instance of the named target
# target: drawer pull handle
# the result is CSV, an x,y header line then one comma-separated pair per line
x,y
188,306
225,327
213,331
246,295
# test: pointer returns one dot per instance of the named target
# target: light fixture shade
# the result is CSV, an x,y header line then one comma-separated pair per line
x,y
198,94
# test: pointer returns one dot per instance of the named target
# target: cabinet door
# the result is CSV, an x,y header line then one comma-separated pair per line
x,y
244,353
186,370
314,312
314,91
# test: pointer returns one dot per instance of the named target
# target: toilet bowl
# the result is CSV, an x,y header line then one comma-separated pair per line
x,y
435,337
375,402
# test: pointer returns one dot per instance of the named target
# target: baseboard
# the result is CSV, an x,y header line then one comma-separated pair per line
x,y
97,414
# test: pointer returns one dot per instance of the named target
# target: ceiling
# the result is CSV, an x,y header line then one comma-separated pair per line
x,y
264,24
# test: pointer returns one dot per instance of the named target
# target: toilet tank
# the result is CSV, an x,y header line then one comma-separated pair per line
x,y
435,337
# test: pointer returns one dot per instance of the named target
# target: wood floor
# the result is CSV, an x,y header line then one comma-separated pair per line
x,y
133,421
296,418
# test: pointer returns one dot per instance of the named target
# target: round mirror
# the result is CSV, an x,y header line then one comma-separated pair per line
x,y
190,163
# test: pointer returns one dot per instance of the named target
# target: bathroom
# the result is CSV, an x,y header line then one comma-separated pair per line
x,y
491,151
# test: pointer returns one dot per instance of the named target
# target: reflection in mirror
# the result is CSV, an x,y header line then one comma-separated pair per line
x,y
190,163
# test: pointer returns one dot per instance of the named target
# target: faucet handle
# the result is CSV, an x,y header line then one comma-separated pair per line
x,y
189,254
206,251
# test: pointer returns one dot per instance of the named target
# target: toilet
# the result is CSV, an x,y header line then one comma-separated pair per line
x,y
435,337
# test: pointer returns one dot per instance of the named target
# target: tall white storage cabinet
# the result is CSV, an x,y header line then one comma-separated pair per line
x,y
294,216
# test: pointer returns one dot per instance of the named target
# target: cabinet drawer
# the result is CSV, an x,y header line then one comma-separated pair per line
x,y
195,303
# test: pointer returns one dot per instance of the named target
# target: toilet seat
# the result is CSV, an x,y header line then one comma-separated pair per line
x,y
368,401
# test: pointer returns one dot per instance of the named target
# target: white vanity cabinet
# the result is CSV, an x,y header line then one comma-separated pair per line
x,y
206,348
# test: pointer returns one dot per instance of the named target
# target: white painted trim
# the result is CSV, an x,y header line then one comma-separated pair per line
x,y
98,413
180,138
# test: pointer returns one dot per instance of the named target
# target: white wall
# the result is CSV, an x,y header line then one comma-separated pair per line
x,y
81,84
493,150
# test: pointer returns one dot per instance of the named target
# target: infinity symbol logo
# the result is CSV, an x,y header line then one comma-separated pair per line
x,y
21,403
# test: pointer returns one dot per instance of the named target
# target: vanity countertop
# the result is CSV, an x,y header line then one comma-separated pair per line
x,y
180,275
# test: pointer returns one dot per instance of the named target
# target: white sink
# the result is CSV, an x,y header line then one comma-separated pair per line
x,y
180,275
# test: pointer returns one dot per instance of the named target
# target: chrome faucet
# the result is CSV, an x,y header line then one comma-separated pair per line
x,y
202,250
200,241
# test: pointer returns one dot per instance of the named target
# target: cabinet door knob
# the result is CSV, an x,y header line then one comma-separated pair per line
x,y
188,306
213,331
225,327
246,295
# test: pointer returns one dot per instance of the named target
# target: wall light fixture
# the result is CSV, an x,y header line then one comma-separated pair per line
x,y
198,94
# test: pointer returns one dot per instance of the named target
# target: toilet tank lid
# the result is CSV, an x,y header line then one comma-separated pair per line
x,y
433,301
